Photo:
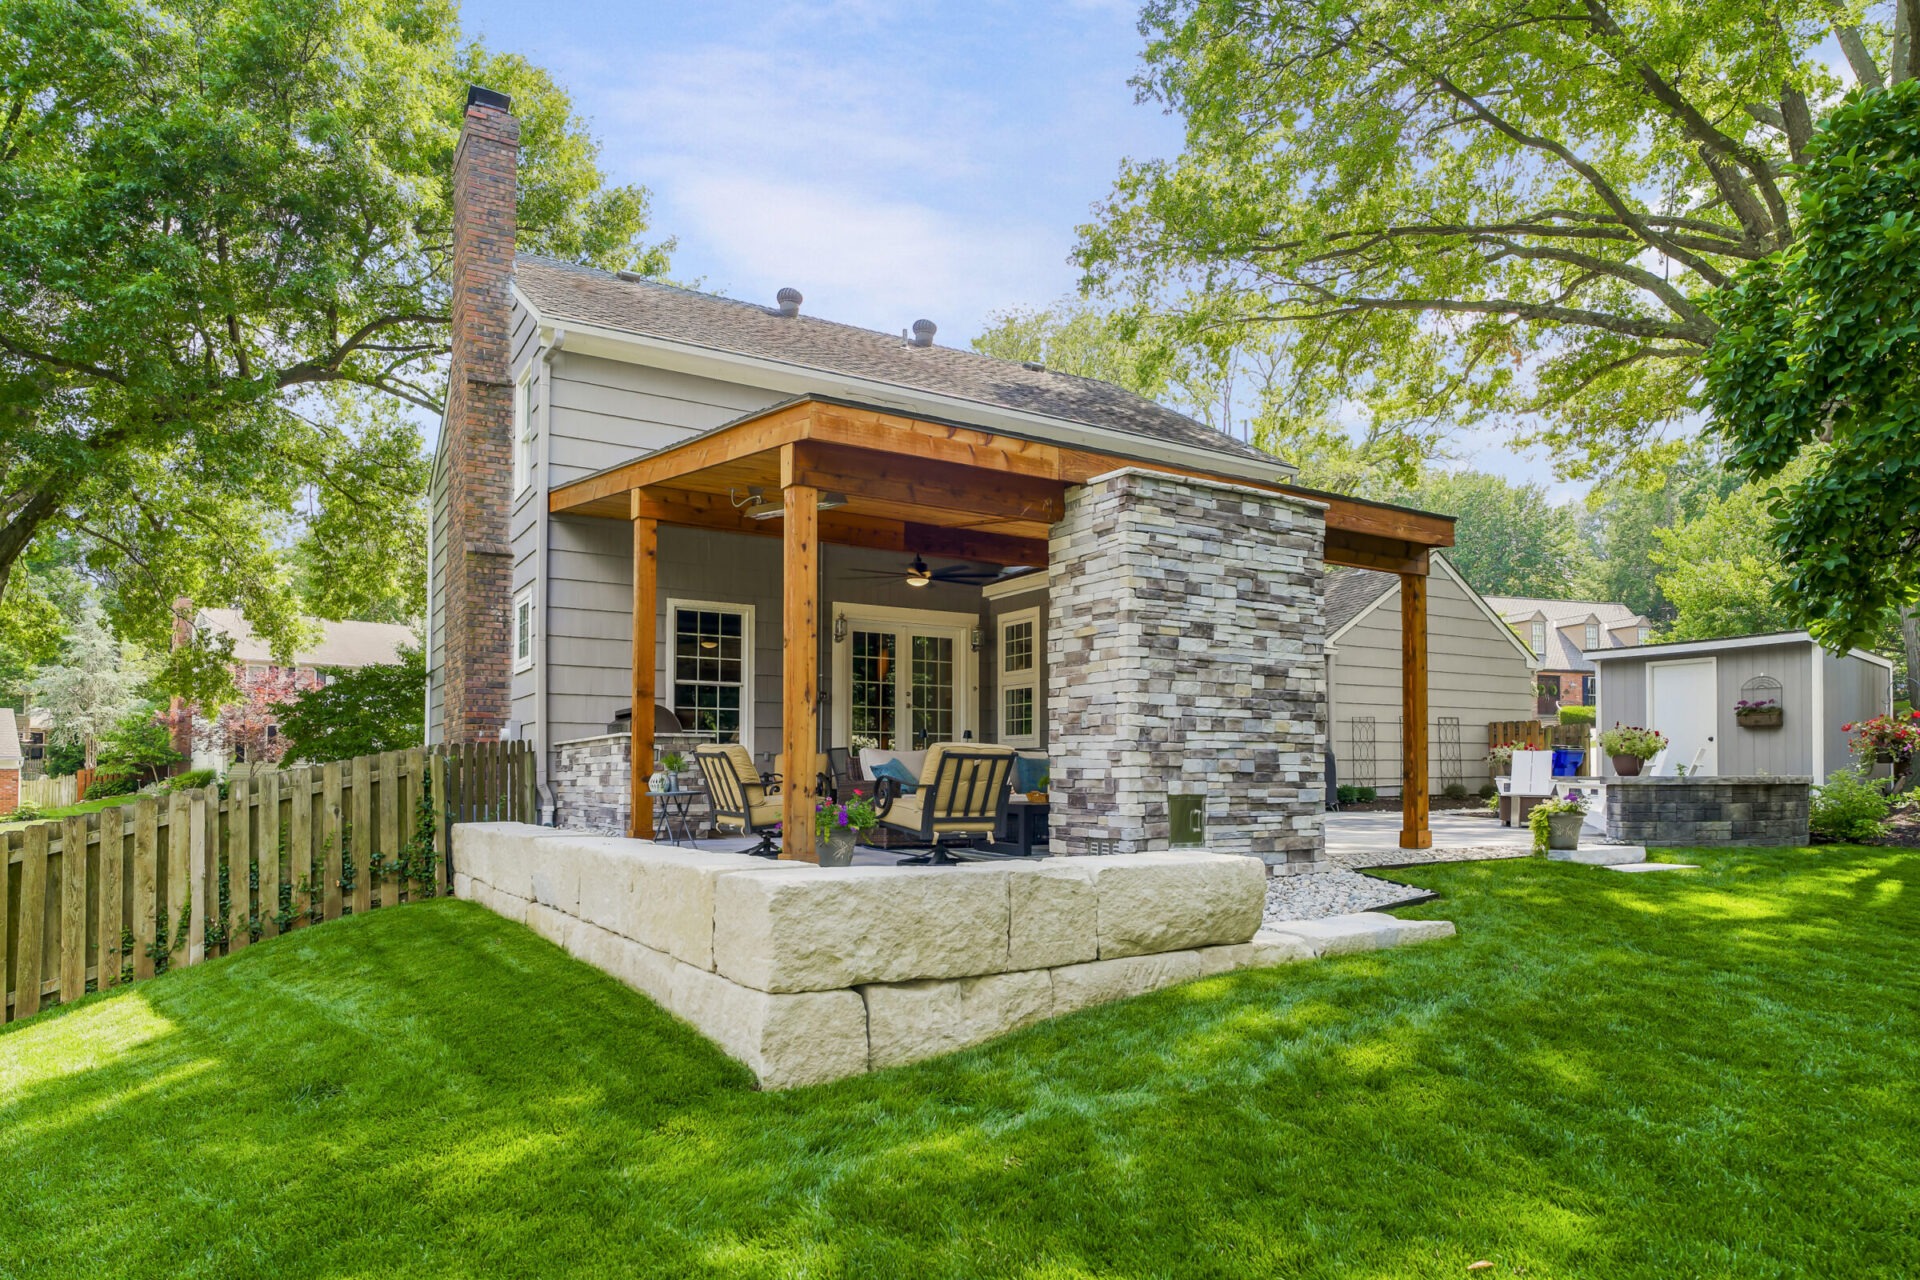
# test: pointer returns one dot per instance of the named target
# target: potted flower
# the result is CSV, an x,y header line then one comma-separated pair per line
x,y
839,824
1501,758
1556,823
674,764
1760,713
1630,747
1888,739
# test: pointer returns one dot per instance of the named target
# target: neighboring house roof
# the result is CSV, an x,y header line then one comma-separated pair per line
x,y
341,644
9,740
1564,651
1351,594
563,292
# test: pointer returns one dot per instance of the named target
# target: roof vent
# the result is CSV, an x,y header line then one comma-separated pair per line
x,y
631,277
789,299
923,331
1033,366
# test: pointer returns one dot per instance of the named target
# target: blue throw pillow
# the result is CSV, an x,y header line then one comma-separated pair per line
x,y
898,772
1027,773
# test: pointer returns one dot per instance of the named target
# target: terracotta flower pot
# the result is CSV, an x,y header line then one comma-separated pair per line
x,y
1628,766
1563,830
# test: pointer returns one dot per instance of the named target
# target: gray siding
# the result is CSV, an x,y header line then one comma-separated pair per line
x,y
1476,674
1853,689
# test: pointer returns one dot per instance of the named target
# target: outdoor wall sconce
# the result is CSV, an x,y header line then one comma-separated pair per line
x,y
973,639
839,628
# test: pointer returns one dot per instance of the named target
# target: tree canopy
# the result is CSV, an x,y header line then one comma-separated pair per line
x,y
226,229
1815,375
1513,540
361,713
1506,210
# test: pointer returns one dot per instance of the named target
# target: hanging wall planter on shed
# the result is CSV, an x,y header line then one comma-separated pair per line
x,y
1759,706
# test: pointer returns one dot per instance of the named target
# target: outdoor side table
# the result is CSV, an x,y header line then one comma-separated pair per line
x,y
672,814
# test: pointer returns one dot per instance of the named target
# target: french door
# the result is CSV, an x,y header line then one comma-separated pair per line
x,y
903,681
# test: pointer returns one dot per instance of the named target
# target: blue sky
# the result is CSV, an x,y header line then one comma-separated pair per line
x,y
892,161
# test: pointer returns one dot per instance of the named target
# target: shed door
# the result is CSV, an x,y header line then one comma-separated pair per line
x,y
1682,704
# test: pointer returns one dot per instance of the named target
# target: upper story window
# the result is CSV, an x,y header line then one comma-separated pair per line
x,y
1020,679
1593,635
1642,634
523,432
1539,636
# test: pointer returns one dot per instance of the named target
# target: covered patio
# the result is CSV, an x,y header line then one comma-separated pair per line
x,y
817,471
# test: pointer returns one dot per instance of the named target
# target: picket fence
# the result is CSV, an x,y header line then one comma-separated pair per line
x,y
98,899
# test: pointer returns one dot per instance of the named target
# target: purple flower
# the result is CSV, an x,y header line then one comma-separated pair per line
x,y
843,817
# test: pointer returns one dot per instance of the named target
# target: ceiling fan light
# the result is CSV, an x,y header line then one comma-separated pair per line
x,y
919,575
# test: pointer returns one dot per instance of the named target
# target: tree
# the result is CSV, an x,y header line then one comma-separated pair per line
x,y
1719,569
91,690
222,220
1815,376
361,713
1622,525
245,727
1512,540
1513,210
141,744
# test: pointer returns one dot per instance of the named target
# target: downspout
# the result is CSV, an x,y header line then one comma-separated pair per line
x,y
542,519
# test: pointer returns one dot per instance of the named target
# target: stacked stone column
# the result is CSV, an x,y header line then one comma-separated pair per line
x,y
1187,656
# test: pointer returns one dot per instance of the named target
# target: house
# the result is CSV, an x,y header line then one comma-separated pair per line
x,y
804,535
11,758
1562,633
1689,691
1479,672
246,730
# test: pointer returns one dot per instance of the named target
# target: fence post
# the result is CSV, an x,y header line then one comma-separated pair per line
x,y
197,872
267,851
239,863
6,857
112,858
365,838
33,916
390,827
331,837
146,884
73,908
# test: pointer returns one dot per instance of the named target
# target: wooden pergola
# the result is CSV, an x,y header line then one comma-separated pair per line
x,y
907,484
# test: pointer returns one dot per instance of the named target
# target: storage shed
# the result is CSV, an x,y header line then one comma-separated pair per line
x,y
1689,692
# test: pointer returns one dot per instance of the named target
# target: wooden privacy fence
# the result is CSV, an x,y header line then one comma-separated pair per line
x,y
50,793
98,899
1535,736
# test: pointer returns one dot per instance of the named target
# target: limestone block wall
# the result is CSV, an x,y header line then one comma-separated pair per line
x,y
1187,656
808,974
1684,812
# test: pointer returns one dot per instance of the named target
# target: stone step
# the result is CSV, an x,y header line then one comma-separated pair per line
x,y
1359,931
1600,855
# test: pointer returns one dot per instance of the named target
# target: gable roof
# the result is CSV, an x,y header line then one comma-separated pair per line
x,y
341,644
1564,652
562,292
1351,594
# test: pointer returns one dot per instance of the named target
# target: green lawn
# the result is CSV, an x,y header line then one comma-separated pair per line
x,y
1705,1074
67,810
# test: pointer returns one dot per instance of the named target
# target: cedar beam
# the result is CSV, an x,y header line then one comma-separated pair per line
x,y
1415,830
909,481
800,667
1365,551
969,544
646,579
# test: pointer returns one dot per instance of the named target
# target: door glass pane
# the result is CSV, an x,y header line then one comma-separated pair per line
x,y
932,690
871,692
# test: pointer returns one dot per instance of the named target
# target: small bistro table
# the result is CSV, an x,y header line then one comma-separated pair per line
x,y
672,809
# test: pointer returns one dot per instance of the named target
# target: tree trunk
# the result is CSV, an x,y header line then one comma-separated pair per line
x,y
17,534
1910,635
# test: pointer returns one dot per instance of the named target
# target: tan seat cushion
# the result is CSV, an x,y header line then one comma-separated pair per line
x,y
743,766
763,814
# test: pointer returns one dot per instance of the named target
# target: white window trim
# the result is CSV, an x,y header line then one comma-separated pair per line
x,y
523,432
749,636
1028,679
1538,640
960,626
524,597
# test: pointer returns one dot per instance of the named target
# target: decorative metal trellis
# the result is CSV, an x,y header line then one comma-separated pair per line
x,y
1451,771
1360,752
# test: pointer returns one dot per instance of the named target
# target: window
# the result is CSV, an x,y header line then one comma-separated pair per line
x,y
1588,684
523,432
1020,678
523,628
1539,636
711,666
1593,635
1642,634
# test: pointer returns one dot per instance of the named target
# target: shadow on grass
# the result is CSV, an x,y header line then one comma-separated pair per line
x,y
1603,1076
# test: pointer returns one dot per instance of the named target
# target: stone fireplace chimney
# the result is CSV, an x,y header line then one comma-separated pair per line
x,y
478,573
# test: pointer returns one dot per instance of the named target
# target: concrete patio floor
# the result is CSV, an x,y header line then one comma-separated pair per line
x,y
1454,830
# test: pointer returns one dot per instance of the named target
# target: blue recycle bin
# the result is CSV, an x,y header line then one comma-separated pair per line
x,y
1567,761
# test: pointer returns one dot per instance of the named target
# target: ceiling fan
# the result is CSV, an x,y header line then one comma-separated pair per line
x,y
918,574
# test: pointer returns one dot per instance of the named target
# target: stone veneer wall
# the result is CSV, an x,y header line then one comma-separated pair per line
x,y
809,973
591,785
1187,654
1687,812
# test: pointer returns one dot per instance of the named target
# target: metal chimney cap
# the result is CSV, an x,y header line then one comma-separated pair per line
x,y
789,299
482,97
923,331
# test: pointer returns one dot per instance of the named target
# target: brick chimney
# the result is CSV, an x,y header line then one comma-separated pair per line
x,y
479,424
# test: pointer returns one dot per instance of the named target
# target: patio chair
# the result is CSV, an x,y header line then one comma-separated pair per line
x,y
741,800
1532,780
838,774
961,798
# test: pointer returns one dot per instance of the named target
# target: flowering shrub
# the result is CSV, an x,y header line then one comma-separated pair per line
x,y
1848,806
1893,736
857,814
1632,740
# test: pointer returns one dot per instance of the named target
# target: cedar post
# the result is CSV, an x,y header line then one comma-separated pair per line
x,y
1415,832
646,580
801,663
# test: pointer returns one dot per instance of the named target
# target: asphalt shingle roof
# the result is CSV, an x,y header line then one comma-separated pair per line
x,y
565,291
342,644
1564,649
1350,591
